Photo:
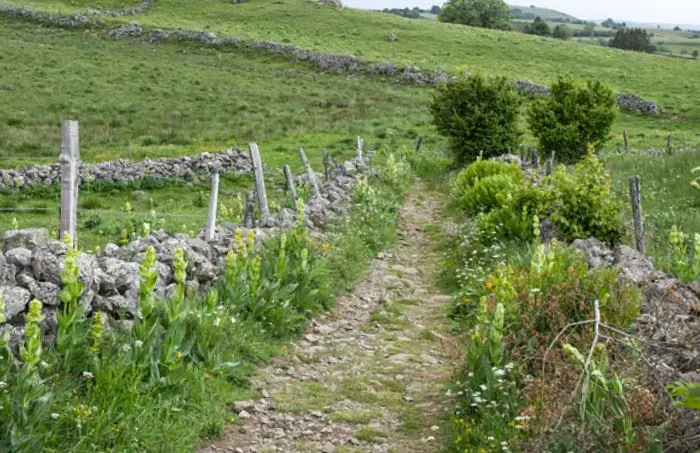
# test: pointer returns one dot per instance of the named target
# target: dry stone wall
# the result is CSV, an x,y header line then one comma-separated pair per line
x,y
31,263
123,170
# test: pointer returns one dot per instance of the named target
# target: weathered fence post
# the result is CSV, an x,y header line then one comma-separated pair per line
x,y
290,184
327,165
69,160
310,174
669,144
213,204
259,181
522,154
418,143
249,218
624,137
550,164
636,197
360,144
536,158
336,165
528,155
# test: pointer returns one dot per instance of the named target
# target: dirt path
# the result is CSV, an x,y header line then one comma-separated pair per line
x,y
370,376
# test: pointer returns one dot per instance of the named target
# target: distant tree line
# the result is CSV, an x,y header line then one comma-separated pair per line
x,y
412,13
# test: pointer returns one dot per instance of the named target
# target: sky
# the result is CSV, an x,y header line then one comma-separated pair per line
x,y
652,11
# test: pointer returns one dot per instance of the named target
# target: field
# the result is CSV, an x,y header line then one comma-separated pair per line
x,y
544,13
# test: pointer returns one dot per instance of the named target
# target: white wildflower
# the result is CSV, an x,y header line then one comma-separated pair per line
x,y
54,416
138,343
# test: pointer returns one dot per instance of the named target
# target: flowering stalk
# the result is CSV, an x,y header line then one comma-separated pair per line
x,y
180,266
96,332
31,351
147,283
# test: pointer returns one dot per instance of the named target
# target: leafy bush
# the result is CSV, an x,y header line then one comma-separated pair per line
x,y
478,116
579,204
583,204
538,27
477,13
562,31
573,118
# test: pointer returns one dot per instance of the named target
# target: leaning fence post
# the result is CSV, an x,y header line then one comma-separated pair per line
x,y
290,184
419,142
309,174
636,197
213,203
259,181
624,137
327,165
249,218
360,144
69,160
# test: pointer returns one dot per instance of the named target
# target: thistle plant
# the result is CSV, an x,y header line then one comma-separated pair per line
x,y
147,282
31,351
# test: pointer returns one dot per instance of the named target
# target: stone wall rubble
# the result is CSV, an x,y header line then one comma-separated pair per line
x,y
185,167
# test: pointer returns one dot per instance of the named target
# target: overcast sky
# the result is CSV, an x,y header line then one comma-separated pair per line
x,y
670,11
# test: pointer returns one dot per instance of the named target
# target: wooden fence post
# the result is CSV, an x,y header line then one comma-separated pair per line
x,y
213,204
290,184
336,164
327,165
259,181
522,154
310,174
418,143
536,158
69,161
360,144
636,198
249,218
624,137
669,144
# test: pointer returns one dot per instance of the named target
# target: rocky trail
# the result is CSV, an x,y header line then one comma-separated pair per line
x,y
369,376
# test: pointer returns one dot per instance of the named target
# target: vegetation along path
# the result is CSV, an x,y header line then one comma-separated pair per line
x,y
370,376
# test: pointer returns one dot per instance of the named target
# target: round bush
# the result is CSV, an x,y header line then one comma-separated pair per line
x,y
478,116
482,169
489,193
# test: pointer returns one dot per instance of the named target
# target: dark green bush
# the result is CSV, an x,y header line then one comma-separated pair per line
x,y
478,116
573,118
477,13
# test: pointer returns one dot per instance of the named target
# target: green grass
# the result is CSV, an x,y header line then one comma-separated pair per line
x,y
135,101
667,197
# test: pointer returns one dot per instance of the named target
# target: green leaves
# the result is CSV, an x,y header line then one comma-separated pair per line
x,y
478,116
573,118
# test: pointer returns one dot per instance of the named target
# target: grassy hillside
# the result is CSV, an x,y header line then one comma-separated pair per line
x,y
138,100
673,83
544,13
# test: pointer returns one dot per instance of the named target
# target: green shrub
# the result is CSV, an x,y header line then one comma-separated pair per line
x,y
489,193
482,169
477,13
579,204
583,204
562,31
573,118
478,116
